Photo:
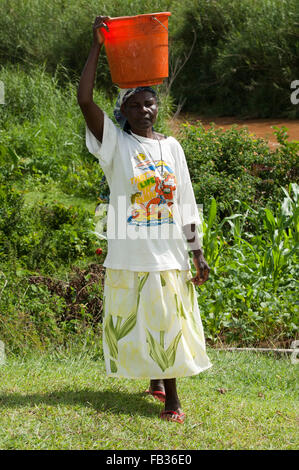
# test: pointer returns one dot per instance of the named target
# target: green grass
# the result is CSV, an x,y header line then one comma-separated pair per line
x,y
64,400
51,193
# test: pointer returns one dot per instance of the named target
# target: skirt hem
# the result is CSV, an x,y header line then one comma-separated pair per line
x,y
161,377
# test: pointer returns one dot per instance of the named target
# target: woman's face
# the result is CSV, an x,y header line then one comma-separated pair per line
x,y
141,110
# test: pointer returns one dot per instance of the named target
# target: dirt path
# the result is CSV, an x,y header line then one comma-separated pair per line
x,y
258,127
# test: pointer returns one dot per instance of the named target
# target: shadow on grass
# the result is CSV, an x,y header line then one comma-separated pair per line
x,y
106,400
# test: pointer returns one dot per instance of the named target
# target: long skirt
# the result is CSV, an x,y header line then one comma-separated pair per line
x,y
152,326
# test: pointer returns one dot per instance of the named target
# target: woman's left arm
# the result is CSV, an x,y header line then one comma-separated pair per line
x,y
201,265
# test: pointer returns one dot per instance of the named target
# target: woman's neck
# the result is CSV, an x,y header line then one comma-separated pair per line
x,y
148,132
153,135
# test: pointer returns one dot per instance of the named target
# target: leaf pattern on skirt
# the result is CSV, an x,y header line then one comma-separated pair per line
x,y
152,326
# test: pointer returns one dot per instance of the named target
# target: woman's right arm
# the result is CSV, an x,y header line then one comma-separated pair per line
x,y
93,115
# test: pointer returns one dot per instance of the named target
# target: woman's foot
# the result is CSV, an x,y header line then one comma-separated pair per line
x,y
172,411
171,415
156,389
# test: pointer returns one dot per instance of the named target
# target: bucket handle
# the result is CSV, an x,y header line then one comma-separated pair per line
x,y
154,18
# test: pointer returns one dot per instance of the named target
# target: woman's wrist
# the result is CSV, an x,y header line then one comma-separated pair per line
x,y
197,252
192,238
96,45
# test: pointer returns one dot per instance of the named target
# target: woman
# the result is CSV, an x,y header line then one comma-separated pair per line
x,y
152,326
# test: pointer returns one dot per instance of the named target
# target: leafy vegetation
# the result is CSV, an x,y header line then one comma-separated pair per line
x,y
243,60
233,166
251,295
50,258
39,312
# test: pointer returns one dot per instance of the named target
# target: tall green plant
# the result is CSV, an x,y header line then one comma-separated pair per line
x,y
283,236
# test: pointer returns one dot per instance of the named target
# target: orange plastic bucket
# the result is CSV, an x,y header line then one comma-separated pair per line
x,y
137,49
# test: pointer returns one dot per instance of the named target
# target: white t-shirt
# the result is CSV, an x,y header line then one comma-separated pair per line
x,y
151,198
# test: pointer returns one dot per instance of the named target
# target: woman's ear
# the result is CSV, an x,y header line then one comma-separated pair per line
x,y
123,110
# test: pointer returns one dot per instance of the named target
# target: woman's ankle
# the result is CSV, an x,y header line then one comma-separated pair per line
x,y
172,401
156,385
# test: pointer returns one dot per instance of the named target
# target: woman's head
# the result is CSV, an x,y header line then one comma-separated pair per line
x,y
137,108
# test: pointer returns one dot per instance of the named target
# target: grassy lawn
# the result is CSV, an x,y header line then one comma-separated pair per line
x,y
64,400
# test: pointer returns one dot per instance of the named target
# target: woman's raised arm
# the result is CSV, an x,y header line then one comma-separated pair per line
x,y
93,115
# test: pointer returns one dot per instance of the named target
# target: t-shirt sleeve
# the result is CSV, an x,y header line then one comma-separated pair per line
x,y
186,199
105,151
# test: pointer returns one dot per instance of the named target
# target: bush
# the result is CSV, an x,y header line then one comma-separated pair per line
x,y
243,62
231,166
242,47
249,299
11,204
40,312
28,318
45,238
244,59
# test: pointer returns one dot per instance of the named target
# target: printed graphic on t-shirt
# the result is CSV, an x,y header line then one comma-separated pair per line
x,y
152,198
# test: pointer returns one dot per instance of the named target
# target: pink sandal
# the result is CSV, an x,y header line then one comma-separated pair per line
x,y
173,416
157,394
